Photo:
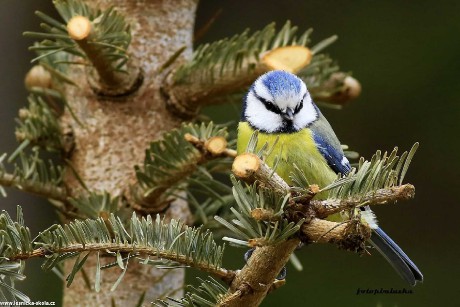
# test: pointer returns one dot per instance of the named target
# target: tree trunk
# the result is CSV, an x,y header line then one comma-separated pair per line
x,y
115,134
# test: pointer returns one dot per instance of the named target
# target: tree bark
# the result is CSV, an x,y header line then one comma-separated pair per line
x,y
115,134
252,283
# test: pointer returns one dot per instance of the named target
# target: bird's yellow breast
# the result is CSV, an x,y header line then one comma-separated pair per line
x,y
298,148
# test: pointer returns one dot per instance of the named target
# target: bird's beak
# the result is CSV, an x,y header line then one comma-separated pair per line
x,y
288,114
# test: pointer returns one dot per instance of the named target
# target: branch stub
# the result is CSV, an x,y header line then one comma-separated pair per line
x,y
289,58
216,145
245,165
79,27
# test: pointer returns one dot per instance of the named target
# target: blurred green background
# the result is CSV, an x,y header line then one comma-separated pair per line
x,y
406,56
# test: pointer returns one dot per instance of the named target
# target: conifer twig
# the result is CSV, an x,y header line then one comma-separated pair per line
x,y
111,81
47,190
250,168
338,89
215,146
100,37
224,274
171,161
324,208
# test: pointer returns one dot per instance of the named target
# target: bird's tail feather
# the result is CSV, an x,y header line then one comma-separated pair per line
x,y
396,257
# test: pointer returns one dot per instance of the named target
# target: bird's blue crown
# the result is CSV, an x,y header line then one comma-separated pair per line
x,y
280,82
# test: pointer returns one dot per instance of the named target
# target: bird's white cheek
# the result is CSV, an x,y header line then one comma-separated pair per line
x,y
306,116
259,117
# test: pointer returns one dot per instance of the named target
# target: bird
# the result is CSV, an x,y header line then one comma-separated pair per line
x,y
279,106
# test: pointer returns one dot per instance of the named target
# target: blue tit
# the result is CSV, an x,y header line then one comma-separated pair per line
x,y
279,106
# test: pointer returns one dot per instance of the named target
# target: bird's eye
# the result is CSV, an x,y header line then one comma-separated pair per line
x,y
271,107
300,105
268,104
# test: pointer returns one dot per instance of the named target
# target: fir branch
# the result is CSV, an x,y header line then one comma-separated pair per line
x,y
384,171
35,176
205,211
100,37
375,182
208,293
52,88
378,181
324,208
164,240
96,204
256,231
232,55
15,239
39,125
330,87
170,163
230,65
54,63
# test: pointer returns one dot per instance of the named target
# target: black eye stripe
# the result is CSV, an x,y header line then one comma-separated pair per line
x,y
268,104
272,107
300,105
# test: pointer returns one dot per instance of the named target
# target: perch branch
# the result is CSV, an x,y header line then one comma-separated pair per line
x,y
324,208
349,235
252,283
250,168
261,214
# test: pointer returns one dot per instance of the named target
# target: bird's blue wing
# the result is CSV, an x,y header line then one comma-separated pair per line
x,y
328,145
335,158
